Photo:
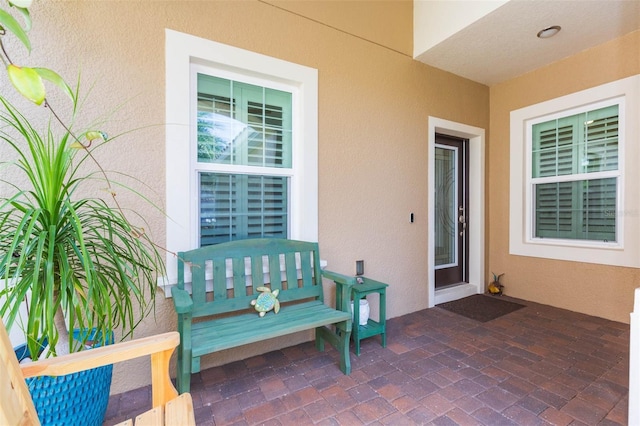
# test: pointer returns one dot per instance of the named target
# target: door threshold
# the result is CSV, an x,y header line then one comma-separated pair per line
x,y
454,292
448,286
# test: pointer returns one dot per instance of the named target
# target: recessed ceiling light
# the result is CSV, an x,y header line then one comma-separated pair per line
x,y
549,32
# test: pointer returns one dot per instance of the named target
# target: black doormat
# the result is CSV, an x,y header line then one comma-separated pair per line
x,y
481,307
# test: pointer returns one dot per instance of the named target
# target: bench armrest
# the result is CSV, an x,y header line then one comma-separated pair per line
x,y
339,278
343,289
159,347
181,301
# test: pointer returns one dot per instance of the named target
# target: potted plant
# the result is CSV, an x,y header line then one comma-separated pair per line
x,y
495,287
71,255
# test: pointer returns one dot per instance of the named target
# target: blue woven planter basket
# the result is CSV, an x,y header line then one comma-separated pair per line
x,y
75,399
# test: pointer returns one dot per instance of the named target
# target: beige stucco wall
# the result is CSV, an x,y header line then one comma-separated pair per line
x,y
599,290
374,101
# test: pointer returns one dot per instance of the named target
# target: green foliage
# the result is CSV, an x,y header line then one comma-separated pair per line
x,y
27,81
9,23
62,252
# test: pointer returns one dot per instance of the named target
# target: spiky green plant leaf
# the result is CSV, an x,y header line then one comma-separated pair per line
x,y
22,7
56,79
62,252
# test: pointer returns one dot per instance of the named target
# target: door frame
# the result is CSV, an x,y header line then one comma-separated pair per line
x,y
476,216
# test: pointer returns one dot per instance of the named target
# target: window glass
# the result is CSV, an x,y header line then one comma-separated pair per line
x,y
446,216
575,176
580,210
237,206
240,124
243,124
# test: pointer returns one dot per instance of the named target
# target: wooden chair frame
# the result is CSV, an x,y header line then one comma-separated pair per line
x,y
16,406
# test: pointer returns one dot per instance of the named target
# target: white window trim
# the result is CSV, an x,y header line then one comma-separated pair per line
x,y
198,167
181,50
626,250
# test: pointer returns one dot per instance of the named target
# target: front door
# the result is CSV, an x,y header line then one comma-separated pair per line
x,y
451,211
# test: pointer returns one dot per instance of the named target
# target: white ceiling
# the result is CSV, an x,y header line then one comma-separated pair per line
x,y
503,44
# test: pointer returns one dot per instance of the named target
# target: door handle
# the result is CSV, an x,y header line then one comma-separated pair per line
x,y
462,219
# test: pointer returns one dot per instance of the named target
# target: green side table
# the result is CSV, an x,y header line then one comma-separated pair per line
x,y
373,328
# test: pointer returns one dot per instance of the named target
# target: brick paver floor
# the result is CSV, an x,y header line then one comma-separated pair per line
x,y
538,365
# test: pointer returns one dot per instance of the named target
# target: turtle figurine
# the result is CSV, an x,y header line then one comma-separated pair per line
x,y
266,301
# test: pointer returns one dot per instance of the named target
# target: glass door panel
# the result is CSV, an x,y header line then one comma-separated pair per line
x,y
446,246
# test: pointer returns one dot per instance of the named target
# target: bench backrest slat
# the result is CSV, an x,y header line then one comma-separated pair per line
x,y
198,273
291,270
274,272
257,275
239,277
219,279
233,271
305,264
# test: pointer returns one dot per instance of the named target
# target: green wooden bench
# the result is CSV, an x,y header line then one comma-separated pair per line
x,y
217,313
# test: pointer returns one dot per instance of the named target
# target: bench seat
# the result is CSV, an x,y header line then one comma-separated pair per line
x,y
237,330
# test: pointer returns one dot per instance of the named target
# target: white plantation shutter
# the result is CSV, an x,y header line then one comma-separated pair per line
x,y
247,129
237,206
554,210
601,140
271,147
553,153
267,206
575,176
217,200
598,214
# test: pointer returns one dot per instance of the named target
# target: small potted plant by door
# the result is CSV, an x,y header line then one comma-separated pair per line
x,y
495,287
